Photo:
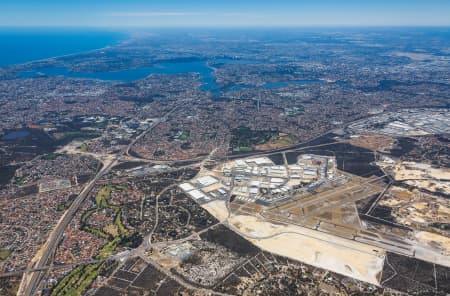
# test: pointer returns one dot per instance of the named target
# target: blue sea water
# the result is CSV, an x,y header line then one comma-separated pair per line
x,y
25,44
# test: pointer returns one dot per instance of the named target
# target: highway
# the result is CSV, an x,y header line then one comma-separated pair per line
x,y
52,267
38,267
30,280
158,121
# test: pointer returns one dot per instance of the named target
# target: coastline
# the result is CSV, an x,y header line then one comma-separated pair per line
x,y
121,38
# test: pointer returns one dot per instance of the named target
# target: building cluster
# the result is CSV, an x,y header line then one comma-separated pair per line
x,y
407,122
145,170
118,134
188,133
126,129
31,219
56,166
205,189
260,180
71,97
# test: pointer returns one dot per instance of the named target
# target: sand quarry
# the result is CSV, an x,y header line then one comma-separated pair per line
x,y
420,175
434,240
343,256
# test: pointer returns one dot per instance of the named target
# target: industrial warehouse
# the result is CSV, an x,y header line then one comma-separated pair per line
x,y
260,180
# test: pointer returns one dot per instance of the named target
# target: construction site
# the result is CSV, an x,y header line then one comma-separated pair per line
x,y
309,211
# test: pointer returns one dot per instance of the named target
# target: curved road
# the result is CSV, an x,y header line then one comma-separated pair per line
x,y
30,282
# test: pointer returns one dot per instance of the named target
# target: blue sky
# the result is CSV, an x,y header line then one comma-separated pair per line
x,y
220,13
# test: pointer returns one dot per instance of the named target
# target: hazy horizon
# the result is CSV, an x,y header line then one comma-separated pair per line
x,y
232,13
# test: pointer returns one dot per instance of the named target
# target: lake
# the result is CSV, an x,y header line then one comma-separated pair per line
x,y
199,67
15,135
205,72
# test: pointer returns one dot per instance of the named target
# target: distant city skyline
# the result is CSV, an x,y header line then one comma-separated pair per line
x,y
230,13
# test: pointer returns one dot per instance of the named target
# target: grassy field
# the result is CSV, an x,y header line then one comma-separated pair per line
x,y
244,139
81,278
277,141
77,135
243,149
4,254
102,198
118,223
184,136
84,147
78,280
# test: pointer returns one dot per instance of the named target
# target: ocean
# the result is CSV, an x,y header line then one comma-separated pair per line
x,y
25,44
